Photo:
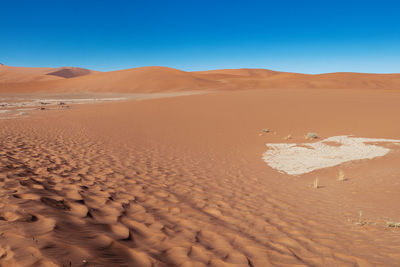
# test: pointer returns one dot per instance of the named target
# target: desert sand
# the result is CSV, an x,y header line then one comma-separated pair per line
x,y
163,79
180,181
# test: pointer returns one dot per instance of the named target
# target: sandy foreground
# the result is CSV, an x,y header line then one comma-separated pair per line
x,y
181,182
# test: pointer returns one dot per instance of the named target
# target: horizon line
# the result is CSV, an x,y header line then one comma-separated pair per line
x,y
217,69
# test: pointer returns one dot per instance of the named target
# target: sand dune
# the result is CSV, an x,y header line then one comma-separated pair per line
x,y
139,80
162,79
146,79
70,72
254,73
23,74
265,79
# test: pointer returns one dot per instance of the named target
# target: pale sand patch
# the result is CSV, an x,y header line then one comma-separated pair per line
x,y
298,159
9,103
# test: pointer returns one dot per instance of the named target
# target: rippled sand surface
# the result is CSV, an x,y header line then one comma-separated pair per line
x,y
180,182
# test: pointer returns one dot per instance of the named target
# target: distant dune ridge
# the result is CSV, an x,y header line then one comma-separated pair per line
x,y
163,79
26,74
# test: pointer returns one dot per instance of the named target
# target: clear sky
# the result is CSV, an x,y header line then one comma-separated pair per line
x,y
305,36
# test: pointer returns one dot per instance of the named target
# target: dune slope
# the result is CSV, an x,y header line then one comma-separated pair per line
x,y
70,72
265,79
162,79
146,79
31,75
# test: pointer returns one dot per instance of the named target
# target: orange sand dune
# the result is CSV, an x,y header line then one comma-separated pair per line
x,y
23,74
255,73
146,79
162,79
266,79
70,72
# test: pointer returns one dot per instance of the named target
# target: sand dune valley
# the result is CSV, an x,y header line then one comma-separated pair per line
x,y
155,166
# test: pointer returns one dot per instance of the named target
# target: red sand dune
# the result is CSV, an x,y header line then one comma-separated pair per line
x,y
266,79
146,79
24,74
162,79
70,72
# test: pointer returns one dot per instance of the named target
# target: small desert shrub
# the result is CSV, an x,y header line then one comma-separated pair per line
x,y
393,224
341,177
316,183
361,222
311,136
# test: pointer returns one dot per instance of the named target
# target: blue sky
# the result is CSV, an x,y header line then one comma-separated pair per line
x,y
301,36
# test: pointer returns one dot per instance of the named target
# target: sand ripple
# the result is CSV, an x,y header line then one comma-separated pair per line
x,y
72,200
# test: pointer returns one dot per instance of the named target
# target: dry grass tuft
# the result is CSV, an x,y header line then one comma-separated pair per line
x,y
341,176
311,136
393,224
361,222
316,183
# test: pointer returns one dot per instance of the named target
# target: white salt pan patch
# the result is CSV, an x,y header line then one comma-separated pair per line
x,y
42,102
297,159
10,104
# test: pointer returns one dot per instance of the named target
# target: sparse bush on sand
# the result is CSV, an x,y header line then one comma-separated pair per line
x,y
393,224
311,136
264,131
341,176
361,222
316,183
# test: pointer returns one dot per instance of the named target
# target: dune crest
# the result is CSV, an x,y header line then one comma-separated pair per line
x,y
164,79
70,72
